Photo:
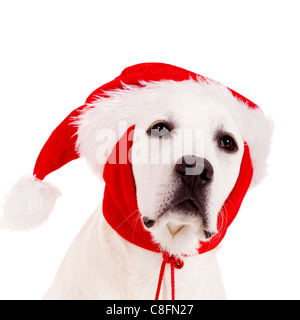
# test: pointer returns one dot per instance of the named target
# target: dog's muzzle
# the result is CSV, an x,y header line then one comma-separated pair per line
x,y
195,175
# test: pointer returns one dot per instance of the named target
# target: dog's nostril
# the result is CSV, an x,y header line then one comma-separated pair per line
x,y
148,222
208,172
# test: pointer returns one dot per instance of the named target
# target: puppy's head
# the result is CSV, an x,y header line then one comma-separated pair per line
x,y
186,157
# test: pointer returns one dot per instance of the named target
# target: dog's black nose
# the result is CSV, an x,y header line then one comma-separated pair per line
x,y
194,171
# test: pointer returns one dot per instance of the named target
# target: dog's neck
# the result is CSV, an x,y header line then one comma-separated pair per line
x,y
138,270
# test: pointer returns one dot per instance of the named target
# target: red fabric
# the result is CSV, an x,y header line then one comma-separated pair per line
x,y
154,71
119,204
120,208
59,148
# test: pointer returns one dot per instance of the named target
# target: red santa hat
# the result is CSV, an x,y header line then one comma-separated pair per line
x,y
126,98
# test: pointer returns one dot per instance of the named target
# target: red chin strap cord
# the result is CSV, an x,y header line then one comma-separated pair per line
x,y
174,262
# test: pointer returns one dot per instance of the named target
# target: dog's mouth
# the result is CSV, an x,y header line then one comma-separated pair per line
x,y
184,210
188,206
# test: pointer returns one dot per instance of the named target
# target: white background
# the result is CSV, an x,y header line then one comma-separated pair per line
x,y
55,53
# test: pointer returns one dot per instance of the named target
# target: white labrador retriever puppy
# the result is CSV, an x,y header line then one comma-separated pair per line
x,y
187,150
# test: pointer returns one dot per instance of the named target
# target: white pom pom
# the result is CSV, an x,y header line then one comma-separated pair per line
x,y
28,204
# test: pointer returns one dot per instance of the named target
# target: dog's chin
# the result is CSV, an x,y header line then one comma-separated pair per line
x,y
177,233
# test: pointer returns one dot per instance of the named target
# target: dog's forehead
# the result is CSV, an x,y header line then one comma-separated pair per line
x,y
188,109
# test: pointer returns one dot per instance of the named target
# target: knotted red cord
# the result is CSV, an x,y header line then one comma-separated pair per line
x,y
174,262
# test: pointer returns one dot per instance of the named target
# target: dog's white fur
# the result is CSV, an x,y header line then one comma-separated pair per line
x,y
102,265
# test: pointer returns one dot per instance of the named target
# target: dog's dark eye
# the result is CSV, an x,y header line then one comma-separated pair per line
x,y
227,142
159,129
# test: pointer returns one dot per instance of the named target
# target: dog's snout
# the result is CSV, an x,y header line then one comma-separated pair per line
x,y
193,170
